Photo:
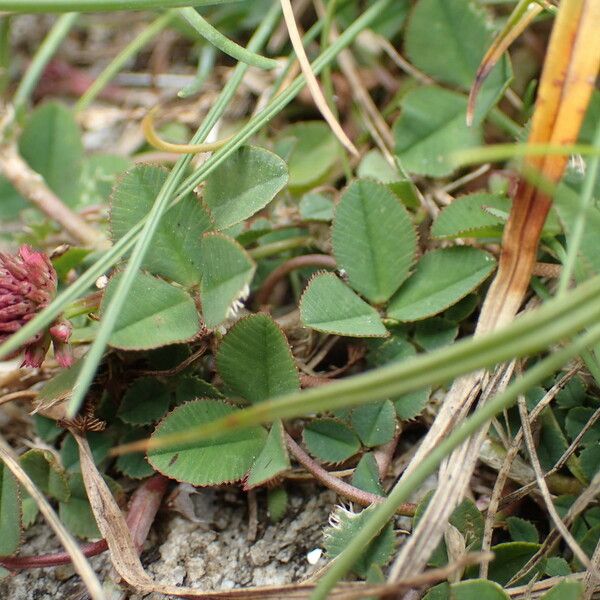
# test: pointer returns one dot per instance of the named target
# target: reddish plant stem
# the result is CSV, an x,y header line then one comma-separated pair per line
x,y
337,485
143,507
298,262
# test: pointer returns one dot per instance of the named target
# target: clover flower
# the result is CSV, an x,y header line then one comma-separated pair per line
x,y
27,285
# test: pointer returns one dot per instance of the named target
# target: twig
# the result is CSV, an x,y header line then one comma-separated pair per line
x,y
298,262
80,563
337,485
543,487
33,188
20,395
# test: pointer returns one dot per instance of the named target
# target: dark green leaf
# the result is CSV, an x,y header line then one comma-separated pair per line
x,y
144,402
510,557
477,589
565,590
435,332
272,460
522,531
134,464
10,512
366,475
45,471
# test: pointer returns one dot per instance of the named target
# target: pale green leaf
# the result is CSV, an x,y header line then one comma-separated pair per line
x,y
255,360
313,153
442,277
243,184
227,271
565,590
447,40
220,459
330,306
374,239
156,314
477,589
316,206
431,127
51,144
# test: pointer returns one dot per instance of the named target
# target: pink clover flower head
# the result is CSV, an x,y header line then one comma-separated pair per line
x,y
27,285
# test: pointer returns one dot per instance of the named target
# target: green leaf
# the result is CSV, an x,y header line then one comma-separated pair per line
x,y
330,440
556,566
590,460
98,175
272,460
316,206
431,127
434,333
227,271
576,419
442,277
466,216
220,459
565,590
175,249
509,559
45,471
277,501
522,531
134,464
374,240
456,33
59,387
51,144
408,406
77,514
330,306
366,475
255,360
193,387
477,589
313,154
10,512
243,184
374,423
145,401
345,526
100,443
156,314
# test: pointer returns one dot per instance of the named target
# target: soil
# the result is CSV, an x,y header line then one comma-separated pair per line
x,y
211,554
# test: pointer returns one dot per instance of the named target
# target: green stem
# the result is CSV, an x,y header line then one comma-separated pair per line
x,y
574,240
206,63
122,58
64,6
384,512
278,247
42,57
497,117
223,43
